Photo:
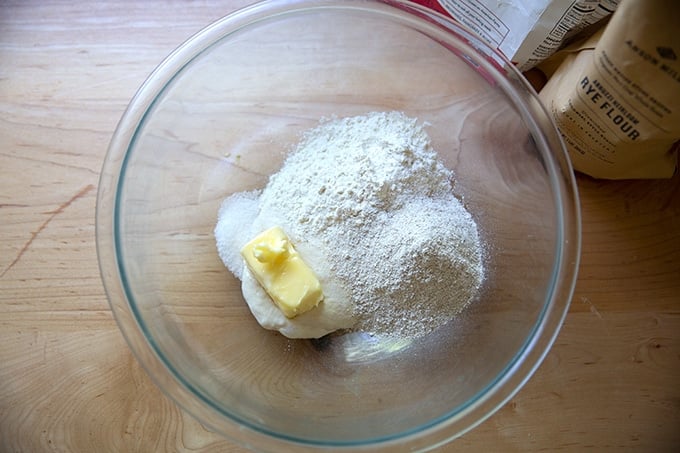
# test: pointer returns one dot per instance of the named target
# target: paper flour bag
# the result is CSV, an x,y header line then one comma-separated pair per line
x,y
617,102
525,31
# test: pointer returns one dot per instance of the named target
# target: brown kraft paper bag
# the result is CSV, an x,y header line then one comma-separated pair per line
x,y
616,98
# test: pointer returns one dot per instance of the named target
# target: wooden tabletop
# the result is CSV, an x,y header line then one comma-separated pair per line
x,y
68,381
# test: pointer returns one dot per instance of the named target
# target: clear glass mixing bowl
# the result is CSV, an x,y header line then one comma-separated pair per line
x,y
218,116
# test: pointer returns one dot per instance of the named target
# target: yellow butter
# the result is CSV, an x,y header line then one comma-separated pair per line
x,y
280,270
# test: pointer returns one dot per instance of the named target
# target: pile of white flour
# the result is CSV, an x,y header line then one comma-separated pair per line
x,y
370,196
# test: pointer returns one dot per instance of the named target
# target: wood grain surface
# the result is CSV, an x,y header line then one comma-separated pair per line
x,y
68,382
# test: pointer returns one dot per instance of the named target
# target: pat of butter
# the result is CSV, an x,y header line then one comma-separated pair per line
x,y
280,270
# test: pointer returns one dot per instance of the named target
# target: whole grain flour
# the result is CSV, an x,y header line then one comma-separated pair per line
x,y
369,195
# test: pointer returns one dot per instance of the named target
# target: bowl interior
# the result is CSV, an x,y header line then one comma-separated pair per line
x,y
225,121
